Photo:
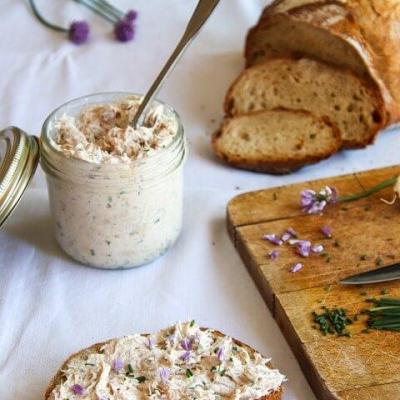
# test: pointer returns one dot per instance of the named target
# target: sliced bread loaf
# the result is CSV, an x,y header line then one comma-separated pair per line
x,y
180,362
276,141
358,34
350,103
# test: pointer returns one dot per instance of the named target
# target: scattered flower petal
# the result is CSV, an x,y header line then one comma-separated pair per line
x,y
304,248
220,354
296,268
79,32
186,344
164,374
118,365
186,356
150,342
286,236
124,31
317,249
273,255
326,231
273,239
298,242
78,389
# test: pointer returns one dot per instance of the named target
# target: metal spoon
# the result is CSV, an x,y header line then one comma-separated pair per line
x,y
202,12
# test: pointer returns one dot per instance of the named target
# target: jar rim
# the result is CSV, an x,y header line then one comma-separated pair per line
x,y
47,143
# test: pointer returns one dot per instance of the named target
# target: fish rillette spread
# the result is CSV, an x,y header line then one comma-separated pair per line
x,y
102,133
181,362
116,194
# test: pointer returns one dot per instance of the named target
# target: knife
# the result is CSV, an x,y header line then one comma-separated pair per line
x,y
385,274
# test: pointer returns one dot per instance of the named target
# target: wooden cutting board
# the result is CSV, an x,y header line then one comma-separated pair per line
x,y
367,365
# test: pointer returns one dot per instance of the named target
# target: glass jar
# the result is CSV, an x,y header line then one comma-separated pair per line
x,y
114,215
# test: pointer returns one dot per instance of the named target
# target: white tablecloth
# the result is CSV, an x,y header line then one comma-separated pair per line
x,y
49,305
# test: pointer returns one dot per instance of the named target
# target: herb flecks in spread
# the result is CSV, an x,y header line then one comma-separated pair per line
x,y
102,133
181,362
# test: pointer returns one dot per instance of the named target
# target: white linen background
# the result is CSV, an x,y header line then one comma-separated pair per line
x,y
49,305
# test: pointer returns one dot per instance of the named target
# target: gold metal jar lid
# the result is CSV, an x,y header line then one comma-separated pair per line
x,y
19,157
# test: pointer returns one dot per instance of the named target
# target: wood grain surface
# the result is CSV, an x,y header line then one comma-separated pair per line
x,y
366,235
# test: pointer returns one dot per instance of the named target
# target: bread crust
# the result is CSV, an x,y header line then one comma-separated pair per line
x,y
57,379
368,27
277,167
347,144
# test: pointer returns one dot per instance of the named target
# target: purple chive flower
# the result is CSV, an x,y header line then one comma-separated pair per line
x,y
124,31
186,344
273,255
221,354
79,32
296,268
289,234
164,374
150,342
78,389
273,239
117,365
317,249
314,203
186,356
131,16
326,231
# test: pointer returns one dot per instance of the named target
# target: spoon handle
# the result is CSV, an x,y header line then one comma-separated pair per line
x,y
202,12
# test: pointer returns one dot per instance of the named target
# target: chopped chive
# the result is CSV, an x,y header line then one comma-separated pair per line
x,y
130,369
189,373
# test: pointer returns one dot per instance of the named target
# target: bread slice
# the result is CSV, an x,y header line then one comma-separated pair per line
x,y
276,141
82,357
350,102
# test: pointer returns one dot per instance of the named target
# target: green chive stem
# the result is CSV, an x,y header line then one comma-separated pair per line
x,y
98,10
118,13
40,17
367,193
385,315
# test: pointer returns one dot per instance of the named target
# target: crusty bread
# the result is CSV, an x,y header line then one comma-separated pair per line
x,y
276,141
358,34
96,348
349,102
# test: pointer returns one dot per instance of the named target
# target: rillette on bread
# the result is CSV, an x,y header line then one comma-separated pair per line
x,y
277,141
180,362
326,91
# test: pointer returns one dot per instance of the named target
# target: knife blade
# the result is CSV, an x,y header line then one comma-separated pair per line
x,y
385,274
